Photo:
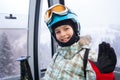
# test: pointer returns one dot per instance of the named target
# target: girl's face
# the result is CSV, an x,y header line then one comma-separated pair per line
x,y
64,33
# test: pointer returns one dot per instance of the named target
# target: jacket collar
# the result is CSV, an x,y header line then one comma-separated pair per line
x,y
70,51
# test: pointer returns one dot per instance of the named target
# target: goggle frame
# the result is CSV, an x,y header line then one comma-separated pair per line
x,y
51,11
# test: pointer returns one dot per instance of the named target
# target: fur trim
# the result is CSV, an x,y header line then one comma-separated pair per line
x,y
85,40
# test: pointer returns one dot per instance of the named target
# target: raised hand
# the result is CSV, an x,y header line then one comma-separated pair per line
x,y
106,58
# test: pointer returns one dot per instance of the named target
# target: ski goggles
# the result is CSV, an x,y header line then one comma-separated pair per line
x,y
57,9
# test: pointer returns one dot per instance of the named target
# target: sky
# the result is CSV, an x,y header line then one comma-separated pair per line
x,y
94,14
90,12
19,9
97,11
14,6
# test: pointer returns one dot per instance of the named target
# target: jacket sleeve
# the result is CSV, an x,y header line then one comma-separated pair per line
x,y
90,73
85,42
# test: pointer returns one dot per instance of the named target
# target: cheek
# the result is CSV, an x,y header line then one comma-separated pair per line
x,y
71,32
57,37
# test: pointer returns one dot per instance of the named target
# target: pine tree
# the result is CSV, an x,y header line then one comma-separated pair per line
x,y
7,67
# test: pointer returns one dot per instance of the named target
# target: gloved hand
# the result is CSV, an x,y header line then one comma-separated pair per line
x,y
106,58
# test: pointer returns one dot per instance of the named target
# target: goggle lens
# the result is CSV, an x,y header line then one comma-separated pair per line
x,y
58,9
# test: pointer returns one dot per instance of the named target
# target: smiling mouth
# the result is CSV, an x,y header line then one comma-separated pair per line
x,y
65,39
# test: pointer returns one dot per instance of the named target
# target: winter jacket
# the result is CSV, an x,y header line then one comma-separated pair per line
x,y
67,63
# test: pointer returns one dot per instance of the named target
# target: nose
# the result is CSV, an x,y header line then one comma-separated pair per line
x,y
63,33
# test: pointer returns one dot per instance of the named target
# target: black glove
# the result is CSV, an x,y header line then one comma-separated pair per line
x,y
106,58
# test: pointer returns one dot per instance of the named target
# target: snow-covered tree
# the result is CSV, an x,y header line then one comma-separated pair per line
x,y
7,67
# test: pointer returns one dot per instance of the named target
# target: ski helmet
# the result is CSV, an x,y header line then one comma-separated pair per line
x,y
58,15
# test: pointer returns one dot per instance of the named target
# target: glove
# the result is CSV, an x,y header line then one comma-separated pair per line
x,y
106,58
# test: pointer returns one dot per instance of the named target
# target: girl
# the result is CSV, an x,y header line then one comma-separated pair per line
x,y
67,62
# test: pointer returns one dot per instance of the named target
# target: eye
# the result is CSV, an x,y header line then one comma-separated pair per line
x,y
57,32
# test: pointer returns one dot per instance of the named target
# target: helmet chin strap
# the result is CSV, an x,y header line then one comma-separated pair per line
x,y
73,39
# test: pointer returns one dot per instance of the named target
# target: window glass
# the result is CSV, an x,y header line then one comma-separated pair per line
x,y
45,40
13,36
100,19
